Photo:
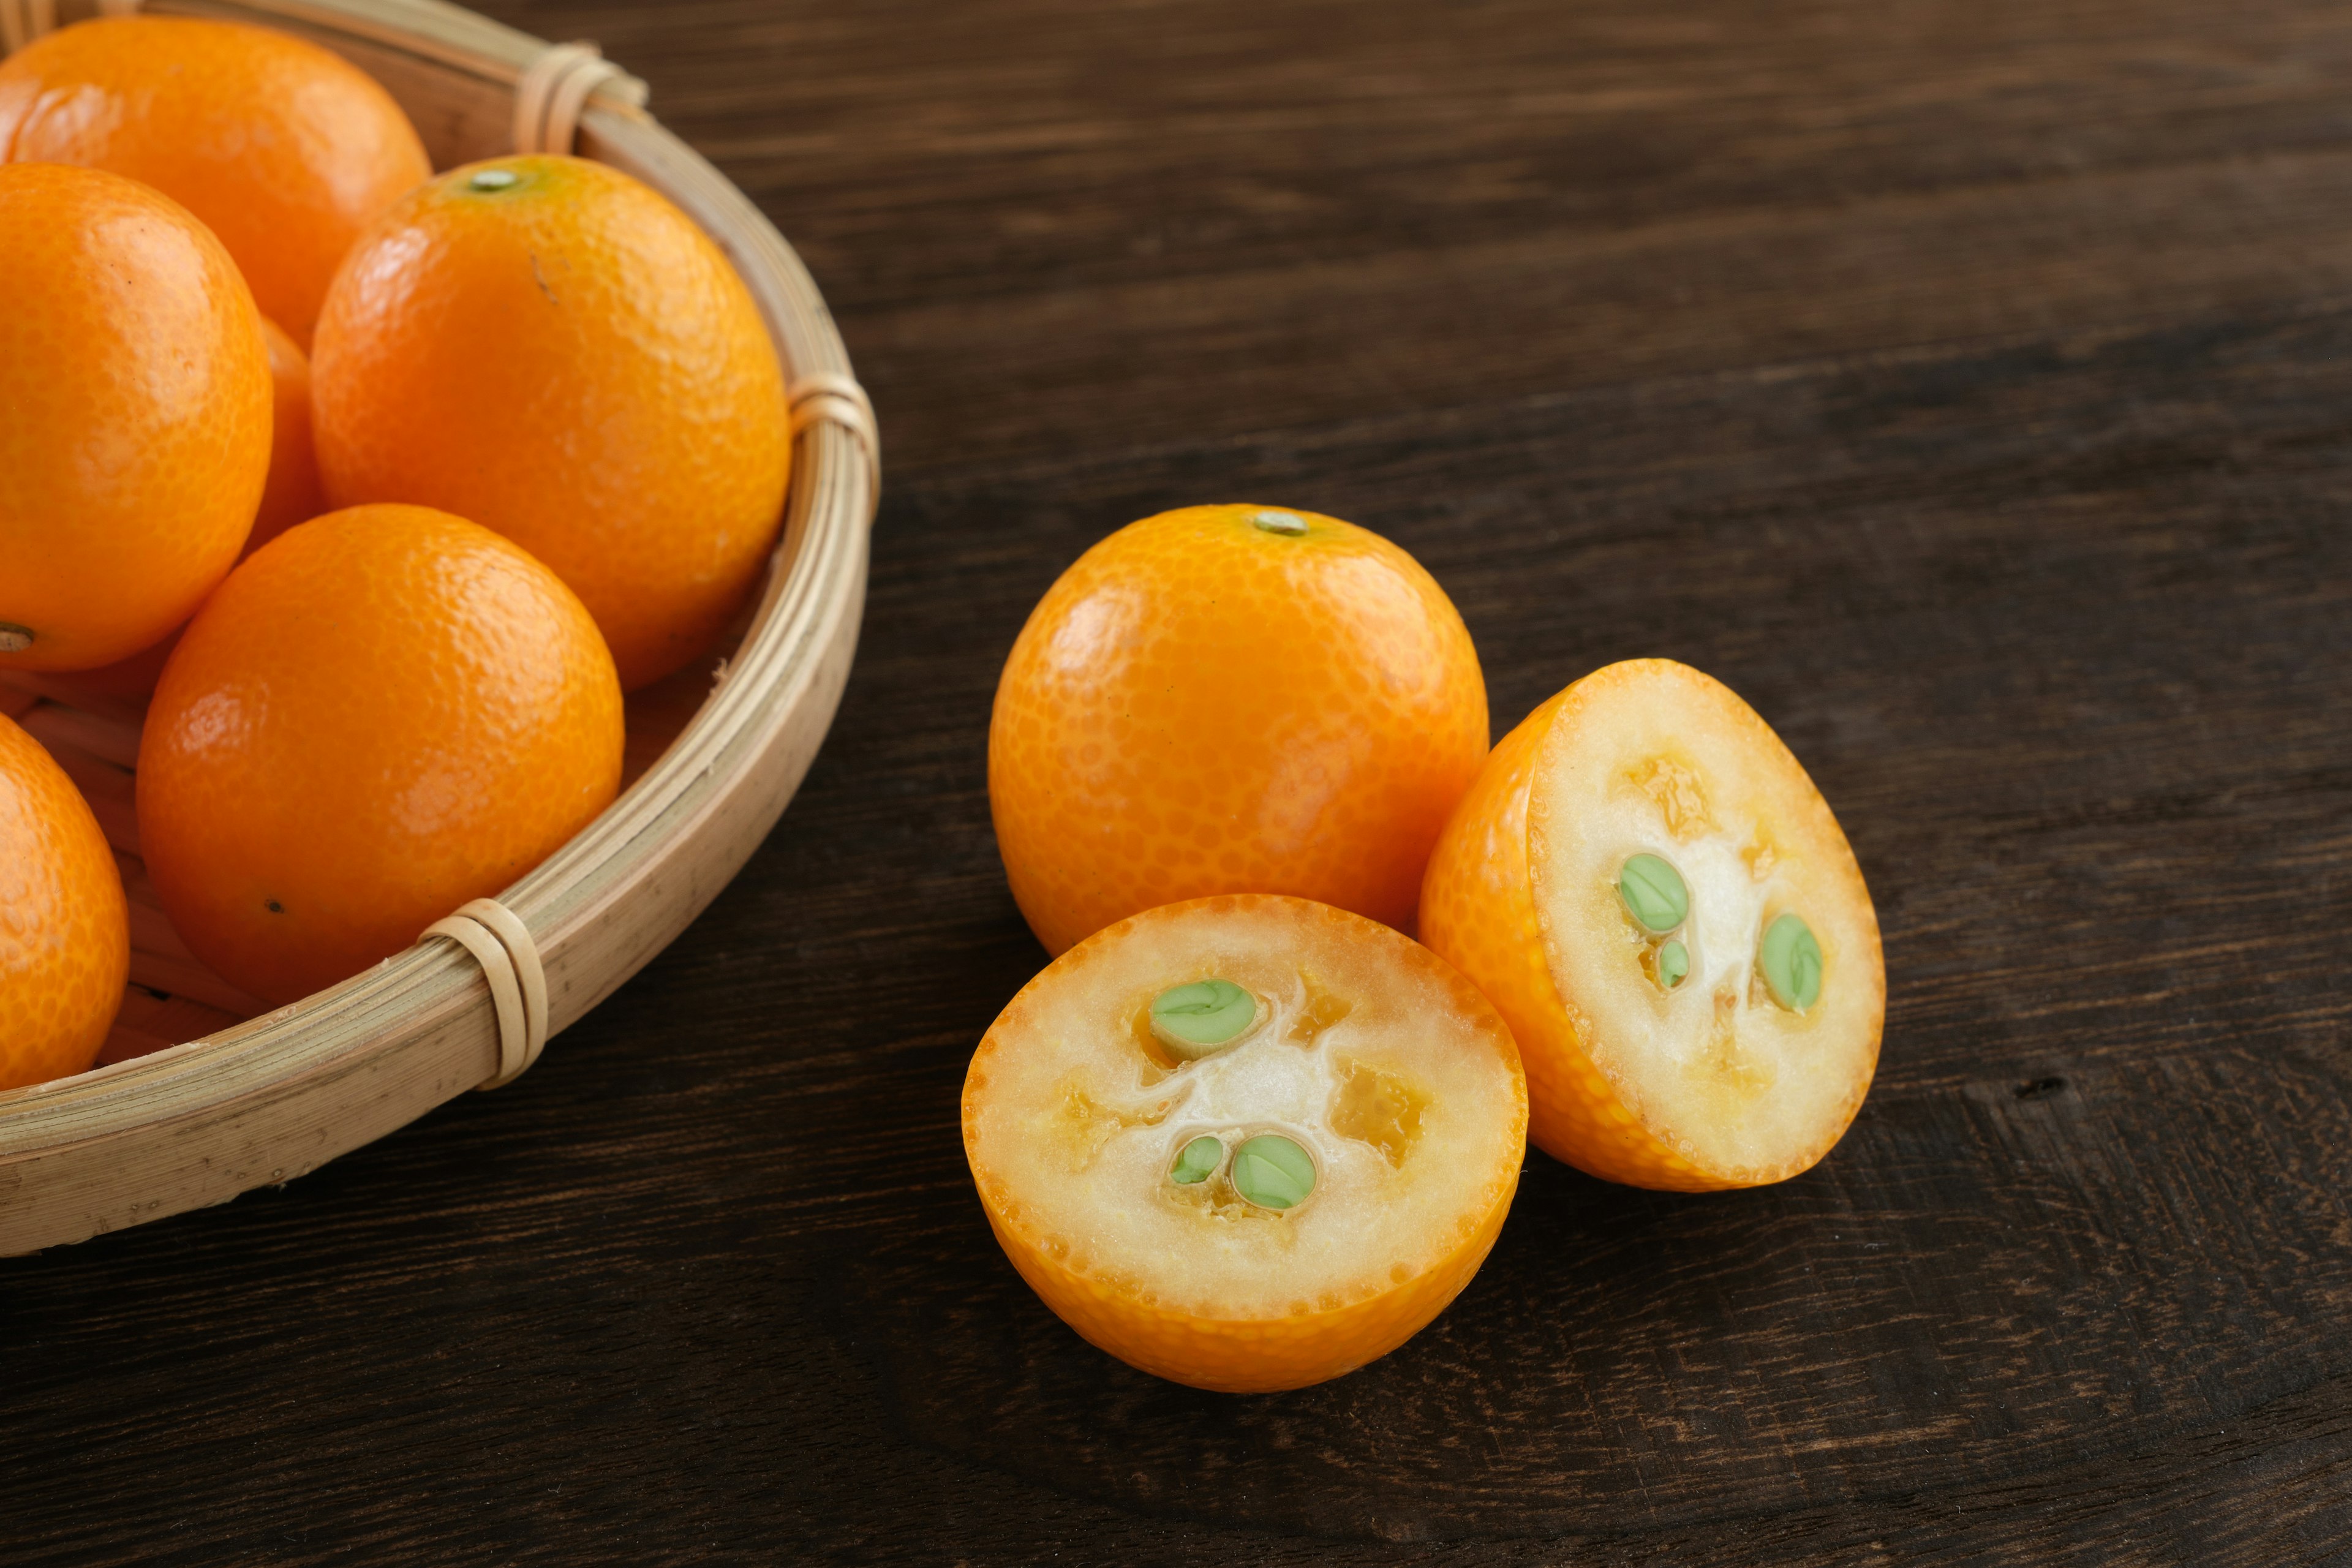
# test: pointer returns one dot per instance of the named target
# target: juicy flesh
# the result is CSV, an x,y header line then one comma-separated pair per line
x,y
1664,761
1371,1057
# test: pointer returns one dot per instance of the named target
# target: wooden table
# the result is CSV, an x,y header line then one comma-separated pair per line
x,y
1969,385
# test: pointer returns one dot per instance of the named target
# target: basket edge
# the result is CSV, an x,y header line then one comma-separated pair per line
x,y
765,722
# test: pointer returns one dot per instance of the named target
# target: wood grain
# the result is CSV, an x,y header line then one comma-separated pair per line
x,y
1970,386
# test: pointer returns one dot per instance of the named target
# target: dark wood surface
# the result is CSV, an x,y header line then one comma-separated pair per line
x,y
1968,383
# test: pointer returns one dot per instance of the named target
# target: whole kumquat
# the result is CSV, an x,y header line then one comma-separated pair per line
x,y
1230,698
282,149
1246,1142
1650,889
289,495
65,927
386,712
136,433
550,348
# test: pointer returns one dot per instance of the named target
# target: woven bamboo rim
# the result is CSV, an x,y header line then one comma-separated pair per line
x,y
282,1093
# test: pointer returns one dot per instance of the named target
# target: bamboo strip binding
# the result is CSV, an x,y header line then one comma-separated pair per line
x,y
502,945
265,1100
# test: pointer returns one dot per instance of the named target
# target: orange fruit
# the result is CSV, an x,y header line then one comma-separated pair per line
x,y
292,494
1246,1142
285,151
137,427
65,928
1230,698
386,712
289,495
1650,889
550,348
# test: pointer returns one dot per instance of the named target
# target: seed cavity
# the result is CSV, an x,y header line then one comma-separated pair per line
x,y
1197,1162
1272,1173
1202,1018
1655,893
1790,959
14,638
1378,1108
1289,524
1674,788
1674,965
1320,1012
1086,1124
494,180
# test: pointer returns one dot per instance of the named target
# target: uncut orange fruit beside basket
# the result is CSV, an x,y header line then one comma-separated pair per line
x,y
386,712
136,431
1650,889
65,927
550,348
282,148
1230,698
1246,1142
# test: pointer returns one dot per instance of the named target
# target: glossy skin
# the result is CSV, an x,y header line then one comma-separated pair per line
x,y
1495,906
569,361
136,433
290,496
292,493
383,714
65,928
1199,706
282,149
1385,1065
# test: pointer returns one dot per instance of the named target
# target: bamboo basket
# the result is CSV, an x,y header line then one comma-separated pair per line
x,y
201,1094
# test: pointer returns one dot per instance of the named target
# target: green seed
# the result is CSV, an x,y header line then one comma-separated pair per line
x,y
1287,523
1272,1173
14,638
1673,965
494,180
1791,960
1195,1020
1653,892
1197,1162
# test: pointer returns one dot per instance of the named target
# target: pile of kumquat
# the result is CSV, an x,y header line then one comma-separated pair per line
x,y
1245,1135
377,487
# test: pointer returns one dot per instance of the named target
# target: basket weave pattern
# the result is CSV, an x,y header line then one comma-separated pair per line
x,y
202,1094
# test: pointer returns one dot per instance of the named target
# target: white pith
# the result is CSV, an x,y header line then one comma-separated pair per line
x,y
1715,1067
1097,1185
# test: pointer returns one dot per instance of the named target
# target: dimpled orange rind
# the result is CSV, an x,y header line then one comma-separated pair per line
x,y
1710,1085
385,712
1201,705
65,926
552,349
282,148
136,432
1373,1055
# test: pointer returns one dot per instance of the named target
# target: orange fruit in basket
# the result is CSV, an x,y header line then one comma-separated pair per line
x,y
1230,698
1650,889
290,495
284,150
386,712
1246,1142
65,928
550,348
134,415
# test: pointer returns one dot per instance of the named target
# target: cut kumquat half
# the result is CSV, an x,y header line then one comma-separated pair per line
x,y
1246,1142
1647,885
